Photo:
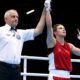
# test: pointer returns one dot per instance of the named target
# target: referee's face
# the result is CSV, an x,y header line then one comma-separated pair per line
x,y
12,18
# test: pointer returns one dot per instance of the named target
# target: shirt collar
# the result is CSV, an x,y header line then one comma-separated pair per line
x,y
8,27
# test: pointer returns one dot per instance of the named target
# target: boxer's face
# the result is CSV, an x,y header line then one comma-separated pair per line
x,y
60,31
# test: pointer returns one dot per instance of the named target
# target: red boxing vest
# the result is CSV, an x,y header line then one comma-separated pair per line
x,y
62,56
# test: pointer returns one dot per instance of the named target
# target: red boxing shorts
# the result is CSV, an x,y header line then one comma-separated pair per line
x,y
58,78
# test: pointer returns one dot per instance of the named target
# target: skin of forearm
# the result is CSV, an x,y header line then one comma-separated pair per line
x,y
49,28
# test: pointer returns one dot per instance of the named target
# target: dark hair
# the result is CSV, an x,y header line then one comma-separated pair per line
x,y
55,27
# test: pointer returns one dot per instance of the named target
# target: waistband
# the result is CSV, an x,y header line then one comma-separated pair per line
x,y
60,73
9,65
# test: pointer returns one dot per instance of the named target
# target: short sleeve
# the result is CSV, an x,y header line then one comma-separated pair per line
x,y
28,34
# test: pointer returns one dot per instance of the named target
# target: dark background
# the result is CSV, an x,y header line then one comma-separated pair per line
x,y
66,12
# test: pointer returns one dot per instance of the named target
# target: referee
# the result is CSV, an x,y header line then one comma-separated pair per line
x,y
11,44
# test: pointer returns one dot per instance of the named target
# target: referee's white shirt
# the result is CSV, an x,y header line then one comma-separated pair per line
x,y
11,43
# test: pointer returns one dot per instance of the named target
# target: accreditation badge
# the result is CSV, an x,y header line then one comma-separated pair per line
x,y
18,36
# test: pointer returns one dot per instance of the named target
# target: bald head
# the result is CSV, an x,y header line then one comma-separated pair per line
x,y
8,12
11,17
